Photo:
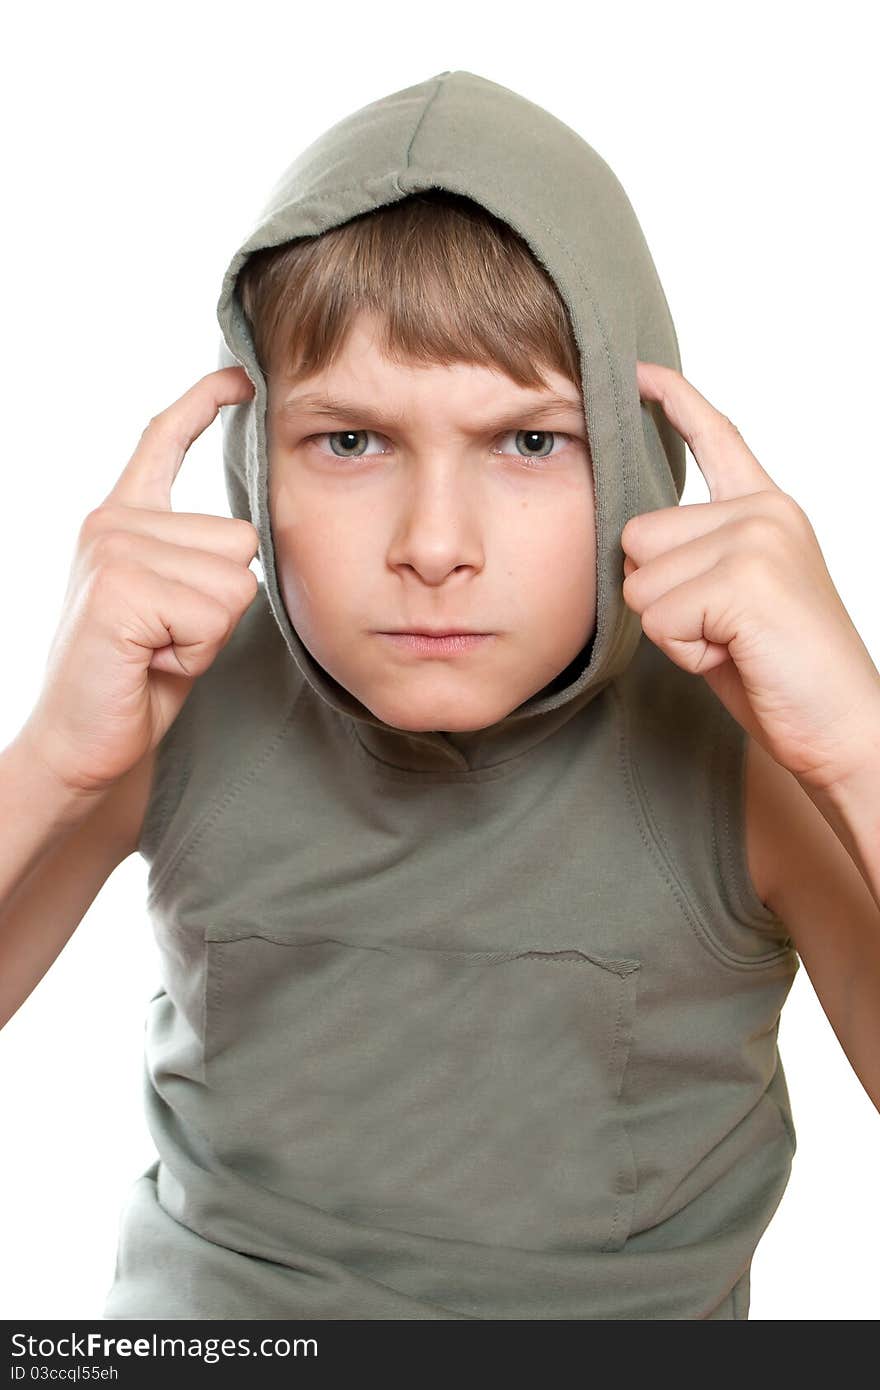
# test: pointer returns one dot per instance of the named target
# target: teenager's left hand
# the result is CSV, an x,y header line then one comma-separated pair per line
x,y
737,591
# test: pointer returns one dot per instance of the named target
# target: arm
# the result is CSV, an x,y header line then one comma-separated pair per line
x,y
57,850
803,869
853,812
737,591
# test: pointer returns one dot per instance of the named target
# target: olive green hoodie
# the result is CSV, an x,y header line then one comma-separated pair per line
x,y
476,1025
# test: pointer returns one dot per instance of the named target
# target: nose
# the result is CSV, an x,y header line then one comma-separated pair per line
x,y
438,526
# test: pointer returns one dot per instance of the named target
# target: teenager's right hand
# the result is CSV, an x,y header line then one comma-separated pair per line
x,y
153,596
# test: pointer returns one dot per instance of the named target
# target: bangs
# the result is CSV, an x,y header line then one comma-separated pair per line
x,y
446,280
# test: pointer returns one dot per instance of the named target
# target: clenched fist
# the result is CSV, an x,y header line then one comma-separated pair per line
x,y
153,596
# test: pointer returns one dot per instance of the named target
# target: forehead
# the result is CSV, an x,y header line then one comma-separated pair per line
x,y
363,375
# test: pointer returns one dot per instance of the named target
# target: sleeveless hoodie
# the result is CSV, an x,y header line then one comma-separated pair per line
x,y
460,1025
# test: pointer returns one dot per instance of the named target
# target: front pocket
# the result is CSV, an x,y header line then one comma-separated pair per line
x,y
469,1095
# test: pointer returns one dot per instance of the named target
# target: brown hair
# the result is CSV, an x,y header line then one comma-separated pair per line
x,y
448,280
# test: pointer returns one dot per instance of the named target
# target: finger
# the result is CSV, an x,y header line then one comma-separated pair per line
x,y
230,583
184,627
149,474
725,460
645,583
692,623
232,537
651,533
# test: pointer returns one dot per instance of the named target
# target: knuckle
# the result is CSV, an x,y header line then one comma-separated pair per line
x,y
780,514
778,503
652,624
109,546
164,426
248,585
220,624
629,589
630,532
105,584
249,534
749,568
760,531
153,425
94,524
792,511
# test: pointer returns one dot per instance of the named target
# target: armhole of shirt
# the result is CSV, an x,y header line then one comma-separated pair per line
x,y
727,779
685,758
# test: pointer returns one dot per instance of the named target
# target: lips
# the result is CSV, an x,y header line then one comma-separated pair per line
x,y
437,644
435,632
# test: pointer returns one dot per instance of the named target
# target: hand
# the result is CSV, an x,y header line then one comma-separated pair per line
x,y
152,598
736,590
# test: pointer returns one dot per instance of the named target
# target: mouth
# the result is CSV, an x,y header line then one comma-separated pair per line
x,y
422,642
433,632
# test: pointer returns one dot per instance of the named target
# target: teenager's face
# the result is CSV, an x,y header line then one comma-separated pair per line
x,y
437,499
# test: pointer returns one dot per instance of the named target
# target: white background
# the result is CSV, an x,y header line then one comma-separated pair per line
x,y
139,143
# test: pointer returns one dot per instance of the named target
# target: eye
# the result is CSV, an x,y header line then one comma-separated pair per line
x,y
538,443
353,445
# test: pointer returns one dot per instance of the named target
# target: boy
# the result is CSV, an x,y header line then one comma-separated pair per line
x,y
470,999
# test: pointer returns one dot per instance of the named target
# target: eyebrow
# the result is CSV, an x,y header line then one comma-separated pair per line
x,y
316,403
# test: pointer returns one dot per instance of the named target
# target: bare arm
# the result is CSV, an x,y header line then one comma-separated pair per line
x,y
57,849
803,870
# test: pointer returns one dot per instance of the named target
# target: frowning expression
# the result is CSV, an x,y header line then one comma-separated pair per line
x,y
442,498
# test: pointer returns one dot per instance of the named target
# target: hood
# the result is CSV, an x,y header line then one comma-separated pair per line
x,y
466,134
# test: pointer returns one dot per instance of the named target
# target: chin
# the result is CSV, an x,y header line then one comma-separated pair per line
x,y
449,715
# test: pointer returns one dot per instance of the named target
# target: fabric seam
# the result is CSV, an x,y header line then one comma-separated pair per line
x,y
664,862
566,955
422,114
748,901
158,816
433,776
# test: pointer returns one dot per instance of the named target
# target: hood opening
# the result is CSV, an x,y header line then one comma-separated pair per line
x,y
460,135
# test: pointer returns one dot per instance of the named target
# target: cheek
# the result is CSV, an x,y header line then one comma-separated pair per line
x,y
319,554
562,580
555,550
